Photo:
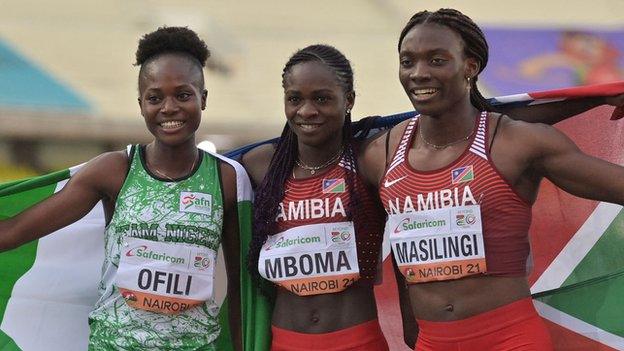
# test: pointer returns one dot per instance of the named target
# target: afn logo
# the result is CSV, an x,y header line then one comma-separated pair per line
x,y
196,202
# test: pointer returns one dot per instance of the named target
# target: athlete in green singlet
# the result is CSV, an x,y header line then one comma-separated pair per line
x,y
168,208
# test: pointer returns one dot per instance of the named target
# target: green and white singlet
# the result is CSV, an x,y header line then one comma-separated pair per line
x,y
187,214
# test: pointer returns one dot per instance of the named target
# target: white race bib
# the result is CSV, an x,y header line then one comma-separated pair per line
x,y
165,277
439,244
312,259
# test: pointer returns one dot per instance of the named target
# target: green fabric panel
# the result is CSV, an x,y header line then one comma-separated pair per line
x,y
599,304
593,291
14,203
11,183
22,185
224,342
606,257
256,309
14,263
18,261
7,344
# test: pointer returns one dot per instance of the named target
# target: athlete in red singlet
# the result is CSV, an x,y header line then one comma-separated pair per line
x,y
458,183
484,232
312,202
317,228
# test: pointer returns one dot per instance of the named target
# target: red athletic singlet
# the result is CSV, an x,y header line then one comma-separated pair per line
x,y
451,214
307,254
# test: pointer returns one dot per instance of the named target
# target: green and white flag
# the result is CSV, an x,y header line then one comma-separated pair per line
x,y
49,286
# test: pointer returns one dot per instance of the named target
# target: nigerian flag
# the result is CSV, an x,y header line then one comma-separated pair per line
x,y
49,286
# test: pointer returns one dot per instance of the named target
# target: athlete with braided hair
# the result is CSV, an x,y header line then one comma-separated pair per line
x,y
317,228
164,202
458,182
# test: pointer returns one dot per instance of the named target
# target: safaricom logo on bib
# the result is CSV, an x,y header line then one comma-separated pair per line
x,y
144,252
283,242
195,202
406,224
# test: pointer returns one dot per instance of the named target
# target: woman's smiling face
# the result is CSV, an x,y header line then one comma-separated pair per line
x,y
172,98
433,68
315,103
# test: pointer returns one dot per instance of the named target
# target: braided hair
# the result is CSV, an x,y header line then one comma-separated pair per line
x,y
270,192
167,40
475,45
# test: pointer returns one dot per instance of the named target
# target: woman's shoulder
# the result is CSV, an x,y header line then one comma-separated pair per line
x,y
257,160
103,174
260,154
107,164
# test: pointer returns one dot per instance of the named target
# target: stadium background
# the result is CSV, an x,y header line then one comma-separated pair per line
x,y
68,87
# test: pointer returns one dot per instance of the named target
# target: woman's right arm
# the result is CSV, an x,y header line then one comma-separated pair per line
x,y
96,180
410,327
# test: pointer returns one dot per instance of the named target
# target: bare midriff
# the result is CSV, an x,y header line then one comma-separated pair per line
x,y
324,313
462,298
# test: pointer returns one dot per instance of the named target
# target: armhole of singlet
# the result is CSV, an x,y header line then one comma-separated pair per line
x,y
387,146
491,162
498,122
130,157
221,188
130,154
396,148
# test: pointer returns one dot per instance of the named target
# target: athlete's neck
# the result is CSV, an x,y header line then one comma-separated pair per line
x,y
318,155
171,159
448,126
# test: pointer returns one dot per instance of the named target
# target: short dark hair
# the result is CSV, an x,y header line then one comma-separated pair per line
x,y
172,40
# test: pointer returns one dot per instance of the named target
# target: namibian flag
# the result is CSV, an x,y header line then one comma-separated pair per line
x,y
462,174
336,185
541,97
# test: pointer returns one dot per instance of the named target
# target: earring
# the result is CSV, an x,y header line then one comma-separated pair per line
x,y
348,111
468,79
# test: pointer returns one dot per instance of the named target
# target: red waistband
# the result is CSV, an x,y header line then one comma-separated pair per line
x,y
364,336
481,324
